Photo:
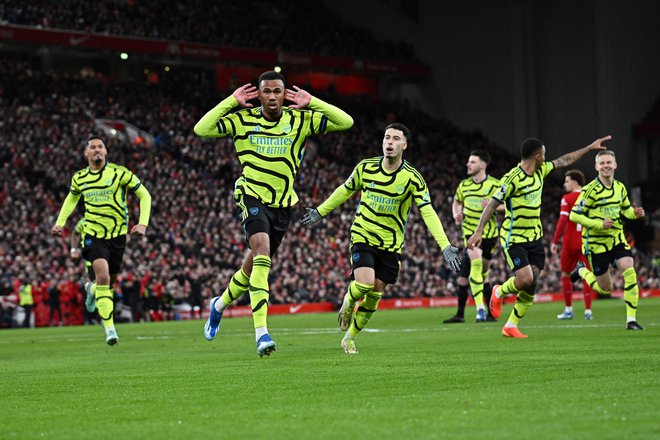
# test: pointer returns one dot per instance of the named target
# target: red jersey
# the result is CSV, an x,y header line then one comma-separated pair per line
x,y
572,232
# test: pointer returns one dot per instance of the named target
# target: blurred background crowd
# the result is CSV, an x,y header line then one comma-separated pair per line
x,y
194,242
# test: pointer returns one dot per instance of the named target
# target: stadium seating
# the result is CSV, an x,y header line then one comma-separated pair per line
x,y
194,238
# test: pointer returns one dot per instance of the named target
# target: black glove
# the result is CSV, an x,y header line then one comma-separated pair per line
x,y
312,216
452,257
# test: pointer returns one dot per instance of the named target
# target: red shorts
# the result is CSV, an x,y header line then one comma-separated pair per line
x,y
570,257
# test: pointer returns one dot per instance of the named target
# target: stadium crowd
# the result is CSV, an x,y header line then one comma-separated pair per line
x,y
316,31
193,243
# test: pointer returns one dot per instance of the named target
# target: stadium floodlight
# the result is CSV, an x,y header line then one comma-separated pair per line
x,y
277,69
123,56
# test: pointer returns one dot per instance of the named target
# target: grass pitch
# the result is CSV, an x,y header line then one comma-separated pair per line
x,y
414,378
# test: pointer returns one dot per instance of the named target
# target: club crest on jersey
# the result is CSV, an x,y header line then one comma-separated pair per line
x,y
254,210
108,181
88,242
286,128
356,257
400,189
371,185
516,262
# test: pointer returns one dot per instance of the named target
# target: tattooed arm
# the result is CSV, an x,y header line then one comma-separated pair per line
x,y
570,158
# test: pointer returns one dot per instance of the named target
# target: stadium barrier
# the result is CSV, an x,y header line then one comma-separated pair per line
x,y
405,303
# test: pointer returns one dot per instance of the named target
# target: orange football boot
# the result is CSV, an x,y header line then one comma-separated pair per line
x,y
495,305
512,332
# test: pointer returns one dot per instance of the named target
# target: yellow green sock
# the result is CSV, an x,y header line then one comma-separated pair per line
x,y
509,287
105,303
523,302
630,293
357,291
238,285
367,308
590,278
477,282
259,290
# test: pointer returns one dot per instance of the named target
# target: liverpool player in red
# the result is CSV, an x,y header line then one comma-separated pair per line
x,y
571,245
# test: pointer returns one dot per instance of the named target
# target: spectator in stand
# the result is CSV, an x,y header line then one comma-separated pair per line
x,y
54,302
130,289
188,175
570,234
26,300
316,29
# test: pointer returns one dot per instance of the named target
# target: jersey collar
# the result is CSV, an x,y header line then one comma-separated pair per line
x,y
91,171
482,181
390,173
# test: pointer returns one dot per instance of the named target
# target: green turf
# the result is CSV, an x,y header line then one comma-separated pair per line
x,y
414,378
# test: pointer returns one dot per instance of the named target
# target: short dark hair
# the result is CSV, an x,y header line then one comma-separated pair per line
x,y
481,154
94,136
401,127
271,74
577,175
530,147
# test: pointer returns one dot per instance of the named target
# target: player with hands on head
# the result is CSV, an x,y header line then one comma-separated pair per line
x,y
270,144
388,186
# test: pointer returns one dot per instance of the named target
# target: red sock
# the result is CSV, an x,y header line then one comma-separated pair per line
x,y
588,294
567,288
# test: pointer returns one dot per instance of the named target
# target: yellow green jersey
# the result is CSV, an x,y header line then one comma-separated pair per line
x,y
595,203
471,195
270,152
386,198
104,196
521,194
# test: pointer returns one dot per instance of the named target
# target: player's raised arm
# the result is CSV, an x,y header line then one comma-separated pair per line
x,y
213,124
572,157
337,119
